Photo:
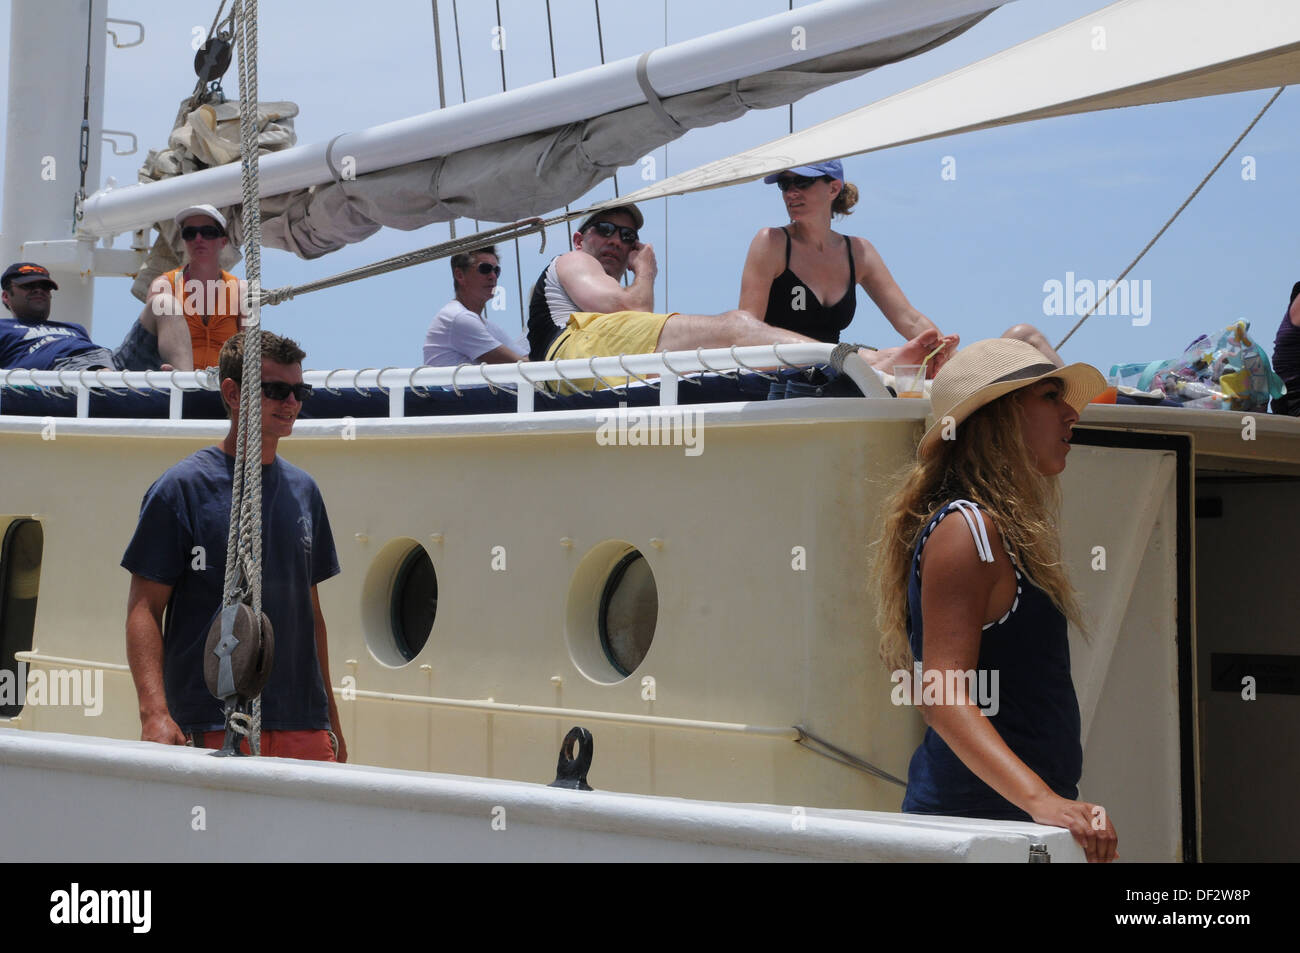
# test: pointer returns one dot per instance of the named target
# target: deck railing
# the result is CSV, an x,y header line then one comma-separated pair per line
x,y
662,371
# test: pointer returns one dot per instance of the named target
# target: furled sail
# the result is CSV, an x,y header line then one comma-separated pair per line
x,y
503,174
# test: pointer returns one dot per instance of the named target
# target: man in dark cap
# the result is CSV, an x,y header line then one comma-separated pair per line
x,y
29,339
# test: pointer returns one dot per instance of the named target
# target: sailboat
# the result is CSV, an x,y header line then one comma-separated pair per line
x,y
717,644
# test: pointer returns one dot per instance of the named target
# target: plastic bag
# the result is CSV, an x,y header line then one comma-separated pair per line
x,y
1230,373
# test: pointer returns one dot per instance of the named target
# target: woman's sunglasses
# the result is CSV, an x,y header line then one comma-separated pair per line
x,y
606,229
799,182
191,232
279,390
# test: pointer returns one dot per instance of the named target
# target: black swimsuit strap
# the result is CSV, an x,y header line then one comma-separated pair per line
x,y
853,278
786,232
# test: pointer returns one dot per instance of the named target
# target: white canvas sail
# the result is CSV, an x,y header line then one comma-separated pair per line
x,y
1130,53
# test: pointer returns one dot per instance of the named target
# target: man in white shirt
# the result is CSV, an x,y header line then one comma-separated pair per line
x,y
459,333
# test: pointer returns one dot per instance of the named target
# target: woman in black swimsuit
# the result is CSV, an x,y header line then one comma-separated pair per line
x,y
802,277
791,272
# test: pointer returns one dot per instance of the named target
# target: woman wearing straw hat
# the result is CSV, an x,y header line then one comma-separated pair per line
x,y
988,594
791,271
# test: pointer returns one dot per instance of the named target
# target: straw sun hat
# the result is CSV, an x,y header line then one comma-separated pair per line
x,y
986,370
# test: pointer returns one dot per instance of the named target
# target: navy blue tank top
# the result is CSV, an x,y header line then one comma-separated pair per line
x,y
1286,360
815,319
1037,712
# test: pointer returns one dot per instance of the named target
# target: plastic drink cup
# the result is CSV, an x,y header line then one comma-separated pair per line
x,y
909,380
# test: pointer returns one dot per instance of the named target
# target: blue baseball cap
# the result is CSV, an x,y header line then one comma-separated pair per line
x,y
833,168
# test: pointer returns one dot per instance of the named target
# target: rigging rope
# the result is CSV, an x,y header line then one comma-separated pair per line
x,y
550,36
460,64
420,256
244,541
1186,202
442,85
600,42
83,149
519,277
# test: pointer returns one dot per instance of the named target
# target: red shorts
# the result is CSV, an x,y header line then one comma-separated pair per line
x,y
303,745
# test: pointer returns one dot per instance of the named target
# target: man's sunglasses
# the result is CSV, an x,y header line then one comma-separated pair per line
x,y
31,286
606,229
191,232
484,268
279,390
799,182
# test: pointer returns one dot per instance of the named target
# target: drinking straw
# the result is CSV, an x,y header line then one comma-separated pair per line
x,y
920,377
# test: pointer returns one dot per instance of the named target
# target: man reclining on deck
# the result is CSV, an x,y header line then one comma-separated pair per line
x,y
579,308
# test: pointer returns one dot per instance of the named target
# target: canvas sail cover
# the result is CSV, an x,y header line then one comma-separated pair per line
x,y
516,178
1130,53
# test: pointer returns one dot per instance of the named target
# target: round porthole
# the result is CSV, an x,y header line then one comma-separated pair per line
x,y
629,608
612,611
414,603
399,602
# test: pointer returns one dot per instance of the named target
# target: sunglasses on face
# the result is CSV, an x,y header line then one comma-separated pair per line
x,y
606,229
799,182
484,268
32,286
191,232
279,390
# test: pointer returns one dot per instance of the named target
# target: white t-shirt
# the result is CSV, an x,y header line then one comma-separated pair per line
x,y
459,336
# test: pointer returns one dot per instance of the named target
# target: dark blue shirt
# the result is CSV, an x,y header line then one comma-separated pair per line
x,y
41,347
1037,709
188,507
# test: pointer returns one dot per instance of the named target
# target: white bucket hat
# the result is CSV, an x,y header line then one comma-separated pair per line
x,y
986,370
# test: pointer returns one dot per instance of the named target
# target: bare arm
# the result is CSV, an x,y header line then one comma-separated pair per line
x,y
956,595
592,290
501,355
762,264
323,655
884,291
160,299
145,604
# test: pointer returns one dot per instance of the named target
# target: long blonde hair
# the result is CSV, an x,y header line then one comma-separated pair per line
x,y
990,465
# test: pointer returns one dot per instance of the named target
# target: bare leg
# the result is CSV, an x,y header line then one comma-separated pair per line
x,y
164,318
685,332
1031,335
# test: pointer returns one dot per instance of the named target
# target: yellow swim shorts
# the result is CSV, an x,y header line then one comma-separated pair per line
x,y
605,335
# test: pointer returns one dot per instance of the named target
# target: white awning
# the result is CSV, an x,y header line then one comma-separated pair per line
x,y
1131,53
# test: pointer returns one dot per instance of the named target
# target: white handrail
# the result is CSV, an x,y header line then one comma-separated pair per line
x,y
525,377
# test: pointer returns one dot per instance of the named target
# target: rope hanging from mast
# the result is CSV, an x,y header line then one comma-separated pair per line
x,y
244,543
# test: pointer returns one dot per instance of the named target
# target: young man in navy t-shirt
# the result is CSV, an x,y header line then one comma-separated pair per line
x,y
177,561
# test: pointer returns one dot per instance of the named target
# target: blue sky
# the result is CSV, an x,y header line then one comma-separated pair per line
x,y
1029,204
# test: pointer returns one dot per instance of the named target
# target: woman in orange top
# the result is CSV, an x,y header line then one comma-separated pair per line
x,y
192,311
